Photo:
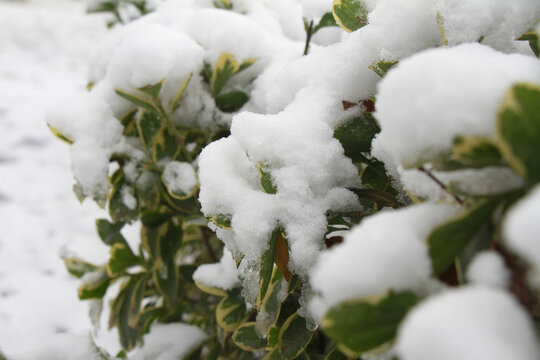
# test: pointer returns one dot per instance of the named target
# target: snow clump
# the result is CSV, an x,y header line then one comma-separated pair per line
x,y
389,247
180,177
308,169
90,124
488,268
522,231
169,342
494,23
463,86
469,323
223,275
63,347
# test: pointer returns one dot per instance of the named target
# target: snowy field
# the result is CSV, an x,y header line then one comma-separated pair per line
x,y
43,48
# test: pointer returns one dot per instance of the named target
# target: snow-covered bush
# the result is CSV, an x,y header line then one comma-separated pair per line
x,y
348,161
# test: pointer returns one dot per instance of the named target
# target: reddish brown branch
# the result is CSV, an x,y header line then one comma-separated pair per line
x,y
439,182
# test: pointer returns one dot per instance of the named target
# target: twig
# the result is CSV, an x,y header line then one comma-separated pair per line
x,y
209,249
308,38
432,177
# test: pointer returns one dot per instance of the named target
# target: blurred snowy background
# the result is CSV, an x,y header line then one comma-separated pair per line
x,y
44,47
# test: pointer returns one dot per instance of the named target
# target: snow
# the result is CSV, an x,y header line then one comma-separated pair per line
x,y
63,347
497,23
150,53
470,323
488,268
286,130
389,246
223,275
315,9
477,182
91,124
522,231
463,86
296,104
169,342
43,49
309,172
180,177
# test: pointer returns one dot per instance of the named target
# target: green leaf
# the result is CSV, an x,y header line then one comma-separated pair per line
x,y
154,218
170,240
109,232
211,290
470,152
128,120
266,179
294,282
206,72
294,337
186,271
380,197
231,101
477,152
518,130
166,146
374,176
187,206
150,241
246,338
175,103
78,267
149,126
356,135
360,326
104,6
140,101
335,355
122,310
351,15
273,336
382,67
122,258
226,66
231,311
152,90
139,287
266,266
148,316
448,239
223,4
273,355
270,306
65,138
95,284
147,190
246,63
222,221
326,21
118,209
532,37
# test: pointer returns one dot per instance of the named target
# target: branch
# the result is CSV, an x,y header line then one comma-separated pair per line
x,y
209,249
308,38
439,182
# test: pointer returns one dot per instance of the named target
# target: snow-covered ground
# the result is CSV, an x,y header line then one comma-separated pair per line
x,y
43,48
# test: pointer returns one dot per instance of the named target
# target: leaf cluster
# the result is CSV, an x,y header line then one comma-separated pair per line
x,y
155,277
